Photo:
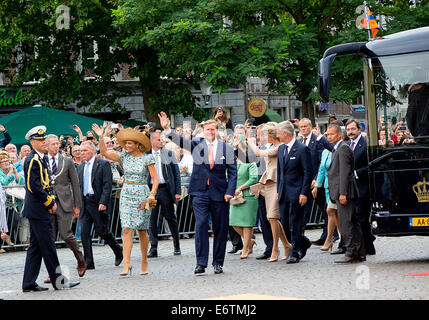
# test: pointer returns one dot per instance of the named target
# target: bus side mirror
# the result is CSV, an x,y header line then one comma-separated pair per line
x,y
324,74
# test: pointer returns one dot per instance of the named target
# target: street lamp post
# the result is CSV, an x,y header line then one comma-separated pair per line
x,y
206,92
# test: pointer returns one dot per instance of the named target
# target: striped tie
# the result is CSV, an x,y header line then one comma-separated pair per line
x,y
54,166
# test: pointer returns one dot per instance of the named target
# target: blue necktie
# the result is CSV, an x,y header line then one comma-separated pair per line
x,y
286,152
86,179
54,166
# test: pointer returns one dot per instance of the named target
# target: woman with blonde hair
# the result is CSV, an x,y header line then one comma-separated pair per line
x,y
134,205
268,189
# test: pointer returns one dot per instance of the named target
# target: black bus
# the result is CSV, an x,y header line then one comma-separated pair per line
x,y
396,85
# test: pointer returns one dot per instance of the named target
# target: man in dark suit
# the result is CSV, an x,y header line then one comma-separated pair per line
x,y
67,197
39,205
343,191
316,144
169,190
363,207
95,178
294,175
213,160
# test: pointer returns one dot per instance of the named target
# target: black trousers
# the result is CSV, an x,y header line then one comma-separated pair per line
x,y
292,217
165,206
42,246
363,211
235,238
91,215
267,234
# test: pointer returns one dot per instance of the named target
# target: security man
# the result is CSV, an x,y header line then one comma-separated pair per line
x,y
39,205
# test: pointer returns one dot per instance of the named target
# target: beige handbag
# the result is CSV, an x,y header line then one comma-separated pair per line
x,y
239,199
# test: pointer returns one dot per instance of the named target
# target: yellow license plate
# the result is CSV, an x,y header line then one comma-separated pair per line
x,y
419,222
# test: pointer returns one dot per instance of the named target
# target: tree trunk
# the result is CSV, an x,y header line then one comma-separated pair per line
x,y
148,72
308,110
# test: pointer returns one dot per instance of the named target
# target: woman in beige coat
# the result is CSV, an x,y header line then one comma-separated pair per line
x,y
268,189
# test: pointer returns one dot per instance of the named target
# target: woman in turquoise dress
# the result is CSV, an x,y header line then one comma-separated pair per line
x,y
137,167
242,217
322,181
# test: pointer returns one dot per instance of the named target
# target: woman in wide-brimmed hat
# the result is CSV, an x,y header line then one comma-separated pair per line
x,y
137,166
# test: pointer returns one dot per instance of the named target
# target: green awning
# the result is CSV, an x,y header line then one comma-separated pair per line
x,y
58,122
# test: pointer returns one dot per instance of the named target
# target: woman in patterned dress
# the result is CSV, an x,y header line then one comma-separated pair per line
x,y
137,166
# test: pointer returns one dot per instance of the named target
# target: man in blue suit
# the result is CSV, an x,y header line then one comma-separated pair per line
x,y
294,176
316,143
359,146
212,185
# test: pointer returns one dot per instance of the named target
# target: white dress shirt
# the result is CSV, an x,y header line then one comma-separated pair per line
x,y
307,141
214,147
86,167
289,145
157,156
56,161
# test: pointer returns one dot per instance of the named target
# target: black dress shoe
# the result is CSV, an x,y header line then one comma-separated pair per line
x,y
303,250
349,260
318,242
199,269
263,256
91,267
152,254
235,249
118,260
370,251
177,252
339,251
217,269
35,288
292,259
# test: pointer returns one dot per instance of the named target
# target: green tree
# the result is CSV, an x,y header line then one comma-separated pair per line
x,y
37,45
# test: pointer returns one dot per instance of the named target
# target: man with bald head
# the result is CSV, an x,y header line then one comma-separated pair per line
x,y
316,144
169,191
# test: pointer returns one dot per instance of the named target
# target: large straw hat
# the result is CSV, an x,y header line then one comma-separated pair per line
x,y
133,135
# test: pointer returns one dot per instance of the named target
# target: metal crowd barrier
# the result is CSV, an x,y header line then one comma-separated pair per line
x,y
19,228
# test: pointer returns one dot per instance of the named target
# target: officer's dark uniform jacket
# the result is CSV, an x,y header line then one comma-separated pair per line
x,y
39,193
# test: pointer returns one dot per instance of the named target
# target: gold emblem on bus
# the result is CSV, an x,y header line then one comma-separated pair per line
x,y
421,190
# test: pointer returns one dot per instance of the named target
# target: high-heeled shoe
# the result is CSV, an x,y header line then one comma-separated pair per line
x,y
252,243
244,255
142,273
129,271
274,256
287,254
328,248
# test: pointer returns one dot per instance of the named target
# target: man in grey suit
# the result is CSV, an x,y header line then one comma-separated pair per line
x,y
344,192
67,196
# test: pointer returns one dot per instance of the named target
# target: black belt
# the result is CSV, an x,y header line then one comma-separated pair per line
x,y
89,196
162,185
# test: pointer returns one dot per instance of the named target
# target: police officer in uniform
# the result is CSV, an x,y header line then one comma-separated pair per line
x,y
39,205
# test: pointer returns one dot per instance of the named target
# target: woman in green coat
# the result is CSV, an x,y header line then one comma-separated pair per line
x,y
242,217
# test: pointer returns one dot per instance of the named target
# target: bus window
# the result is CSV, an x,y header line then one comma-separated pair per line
x,y
402,99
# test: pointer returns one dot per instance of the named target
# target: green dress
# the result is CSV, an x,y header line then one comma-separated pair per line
x,y
244,215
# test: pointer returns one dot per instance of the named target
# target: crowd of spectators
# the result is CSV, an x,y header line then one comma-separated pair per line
x,y
11,171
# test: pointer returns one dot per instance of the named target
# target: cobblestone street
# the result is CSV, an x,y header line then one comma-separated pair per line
x,y
390,274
